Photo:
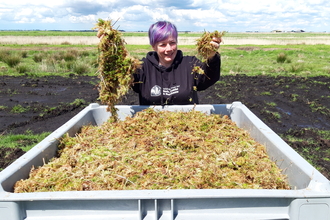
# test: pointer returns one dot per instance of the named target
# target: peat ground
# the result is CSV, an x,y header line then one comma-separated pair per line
x,y
290,106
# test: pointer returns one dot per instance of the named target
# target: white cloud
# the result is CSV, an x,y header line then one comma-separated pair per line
x,y
48,20
25,20
130,13
160,14
200,24
83,19
24,12
231,15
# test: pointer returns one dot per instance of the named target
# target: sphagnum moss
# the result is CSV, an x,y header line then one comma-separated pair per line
x,y
116,66
158,150
204,48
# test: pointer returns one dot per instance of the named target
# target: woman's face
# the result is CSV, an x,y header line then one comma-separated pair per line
x,y
166,51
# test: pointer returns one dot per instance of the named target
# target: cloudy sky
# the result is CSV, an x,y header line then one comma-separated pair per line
x,y
193,15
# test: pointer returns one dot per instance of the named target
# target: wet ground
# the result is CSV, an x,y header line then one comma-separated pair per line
x,y
293,106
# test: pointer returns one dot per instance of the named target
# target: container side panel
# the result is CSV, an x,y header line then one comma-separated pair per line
x,y
310,209
192,209
81,209
232,206
11,211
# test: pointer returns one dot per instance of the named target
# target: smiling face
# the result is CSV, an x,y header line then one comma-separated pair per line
x,y
166,50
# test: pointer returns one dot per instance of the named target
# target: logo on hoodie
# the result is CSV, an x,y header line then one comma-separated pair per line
x,y
156,91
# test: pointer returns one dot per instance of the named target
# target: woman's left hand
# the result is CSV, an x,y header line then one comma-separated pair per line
x,y
216,44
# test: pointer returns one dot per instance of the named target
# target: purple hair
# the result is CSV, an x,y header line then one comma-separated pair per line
x,y
160,31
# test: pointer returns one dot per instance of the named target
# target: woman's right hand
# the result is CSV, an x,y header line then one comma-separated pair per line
x,y
216,44
100,33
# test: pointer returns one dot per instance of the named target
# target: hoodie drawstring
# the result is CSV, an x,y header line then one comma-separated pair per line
x,y
161,92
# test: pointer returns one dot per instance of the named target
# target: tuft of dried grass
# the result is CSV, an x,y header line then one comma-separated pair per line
x,y
158,150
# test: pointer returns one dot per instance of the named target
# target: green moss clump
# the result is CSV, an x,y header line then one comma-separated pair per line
x,y
116,66
204,47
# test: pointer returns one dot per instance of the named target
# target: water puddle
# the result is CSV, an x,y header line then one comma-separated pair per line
x,y
282,110
51,90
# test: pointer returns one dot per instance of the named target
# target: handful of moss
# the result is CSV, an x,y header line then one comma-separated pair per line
x,y
158,150
116,66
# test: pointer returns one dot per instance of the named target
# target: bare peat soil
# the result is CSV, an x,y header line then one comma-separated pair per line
x,y
290,106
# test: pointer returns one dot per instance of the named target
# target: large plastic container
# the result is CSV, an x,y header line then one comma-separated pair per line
x,y
309,197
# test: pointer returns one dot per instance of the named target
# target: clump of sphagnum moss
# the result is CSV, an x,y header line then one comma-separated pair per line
x,y
158,150
116,66
205,48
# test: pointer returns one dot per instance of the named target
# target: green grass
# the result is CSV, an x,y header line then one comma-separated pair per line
x,y
253,60
17,109
64,62
305,60
266,93
308,152
294,97
325,134
78,102
275,115
24,141
272,104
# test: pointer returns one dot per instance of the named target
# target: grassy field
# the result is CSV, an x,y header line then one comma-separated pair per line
x,y
65,59
141,38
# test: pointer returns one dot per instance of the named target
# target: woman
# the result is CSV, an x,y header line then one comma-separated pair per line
x,y
166,76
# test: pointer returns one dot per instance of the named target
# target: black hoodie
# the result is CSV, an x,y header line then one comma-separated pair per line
x,y
177,84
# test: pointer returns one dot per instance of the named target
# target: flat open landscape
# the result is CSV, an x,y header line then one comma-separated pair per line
x,y
292,98
184,39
